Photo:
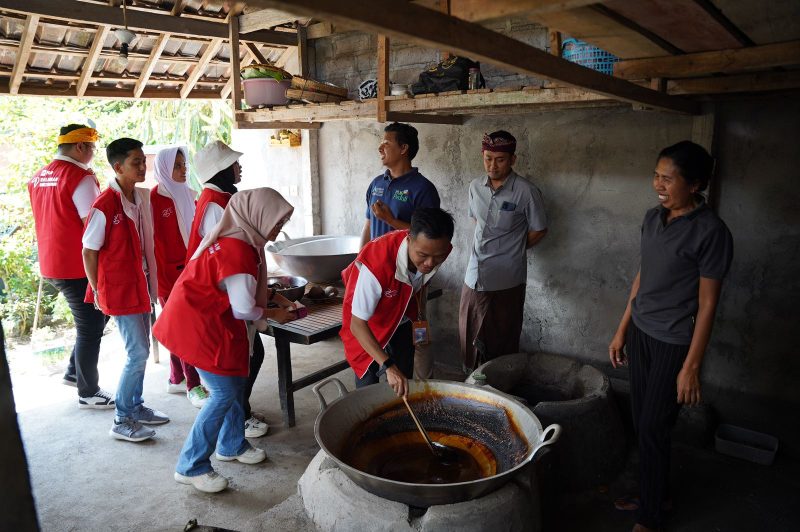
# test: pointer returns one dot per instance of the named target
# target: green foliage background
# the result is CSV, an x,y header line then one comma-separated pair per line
x,y
28,134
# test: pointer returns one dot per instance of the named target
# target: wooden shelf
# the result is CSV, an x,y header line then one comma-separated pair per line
x,y
431,108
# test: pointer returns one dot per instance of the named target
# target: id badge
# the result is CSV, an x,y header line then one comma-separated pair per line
x,y
420,332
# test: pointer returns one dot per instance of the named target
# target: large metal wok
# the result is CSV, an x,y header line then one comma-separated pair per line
x,y
509,429
318,258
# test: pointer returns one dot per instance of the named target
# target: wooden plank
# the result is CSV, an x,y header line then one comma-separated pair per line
x,y
760,82
444,7
94,53
383,75
253,48
555,43
705,63
177,8
147,71
424,119
106,93
23,52
241,124
266,19
684,23
299,82
429,28
480,10
236,80
625,22
586,24
302,53
83,12
311,96
732,28
320,30
200,67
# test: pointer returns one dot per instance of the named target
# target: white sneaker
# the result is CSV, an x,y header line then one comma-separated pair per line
x,y
211,482
255,428
197,396
176,388
101,400
252,455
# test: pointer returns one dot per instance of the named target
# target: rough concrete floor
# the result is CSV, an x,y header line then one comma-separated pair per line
x,y
84,480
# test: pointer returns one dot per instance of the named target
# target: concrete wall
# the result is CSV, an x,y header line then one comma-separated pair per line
x,y
594,168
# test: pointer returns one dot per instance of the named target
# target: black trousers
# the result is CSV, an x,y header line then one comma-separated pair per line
x,y
654,368
401,349
89,324
255,366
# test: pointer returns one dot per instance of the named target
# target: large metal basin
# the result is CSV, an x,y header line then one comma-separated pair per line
x,y
319,258
478,412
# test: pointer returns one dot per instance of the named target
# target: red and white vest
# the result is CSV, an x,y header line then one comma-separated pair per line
x,y
58,226
122,288
197,323
380,257
169,247
208,195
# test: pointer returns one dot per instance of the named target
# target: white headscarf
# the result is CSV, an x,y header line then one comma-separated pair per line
x,y
181,194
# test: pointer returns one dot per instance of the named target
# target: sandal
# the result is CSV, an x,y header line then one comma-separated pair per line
x,y
631,503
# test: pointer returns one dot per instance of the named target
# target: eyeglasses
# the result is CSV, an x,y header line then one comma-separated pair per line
x,y
91,146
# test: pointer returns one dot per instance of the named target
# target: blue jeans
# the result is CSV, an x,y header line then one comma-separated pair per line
x,y
135,332
219,424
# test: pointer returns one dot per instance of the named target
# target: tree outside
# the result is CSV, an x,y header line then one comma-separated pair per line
x,y
28,141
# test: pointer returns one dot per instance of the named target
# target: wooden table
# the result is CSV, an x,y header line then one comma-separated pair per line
x,y
324,321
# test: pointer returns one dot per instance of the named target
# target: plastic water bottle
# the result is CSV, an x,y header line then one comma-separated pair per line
x,y
474,78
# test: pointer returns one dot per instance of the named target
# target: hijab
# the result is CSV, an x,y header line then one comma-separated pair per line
x,y
251,215
180,193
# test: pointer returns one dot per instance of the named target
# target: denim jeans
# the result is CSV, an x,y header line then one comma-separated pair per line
x,y
220,425
135,332
89,325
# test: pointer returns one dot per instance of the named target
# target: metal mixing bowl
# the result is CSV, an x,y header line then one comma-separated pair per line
x,y
298,286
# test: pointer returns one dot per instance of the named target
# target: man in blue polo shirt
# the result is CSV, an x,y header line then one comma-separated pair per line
x,y
392,198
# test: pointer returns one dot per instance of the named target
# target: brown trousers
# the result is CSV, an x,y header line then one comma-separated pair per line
x,y
489,324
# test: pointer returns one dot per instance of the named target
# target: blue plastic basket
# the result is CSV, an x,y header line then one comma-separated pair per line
x,y
589,56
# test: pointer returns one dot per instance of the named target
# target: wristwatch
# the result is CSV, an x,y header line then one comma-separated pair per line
x,y
388,363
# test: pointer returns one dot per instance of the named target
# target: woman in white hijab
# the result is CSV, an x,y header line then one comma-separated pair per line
x,y
173,205
224,285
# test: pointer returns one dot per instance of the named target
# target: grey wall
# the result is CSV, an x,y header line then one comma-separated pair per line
x,y
594,168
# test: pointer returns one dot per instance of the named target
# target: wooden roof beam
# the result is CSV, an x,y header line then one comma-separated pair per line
x,y
718,62
147,70
267,18
480,10
83,12
91,59
433,29
23,52
200,67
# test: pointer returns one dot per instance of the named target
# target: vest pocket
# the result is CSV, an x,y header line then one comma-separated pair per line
x,y
121,289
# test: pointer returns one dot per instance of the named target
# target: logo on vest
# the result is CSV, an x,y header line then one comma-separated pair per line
x,y
117,219
166,213
45,178
400,195
213,248
391,293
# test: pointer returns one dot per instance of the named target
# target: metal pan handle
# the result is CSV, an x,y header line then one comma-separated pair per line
x,y
554,430
342,391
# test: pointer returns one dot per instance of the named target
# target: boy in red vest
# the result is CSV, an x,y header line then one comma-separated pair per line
x,y
118,255
61,195
382,288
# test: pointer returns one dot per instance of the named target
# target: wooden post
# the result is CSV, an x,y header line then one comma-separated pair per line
x,y
383,75
444,7
704,134
233,30
555,43
302,52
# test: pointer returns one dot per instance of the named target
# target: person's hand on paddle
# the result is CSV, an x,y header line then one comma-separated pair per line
x,y
382,212
397,381
616,351
689,387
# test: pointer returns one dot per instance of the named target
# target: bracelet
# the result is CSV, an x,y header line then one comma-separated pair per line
x,y
385,366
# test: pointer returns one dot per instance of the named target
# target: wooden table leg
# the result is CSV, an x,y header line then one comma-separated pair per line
x,y
285,388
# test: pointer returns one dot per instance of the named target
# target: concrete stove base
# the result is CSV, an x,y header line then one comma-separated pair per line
x,y
332,502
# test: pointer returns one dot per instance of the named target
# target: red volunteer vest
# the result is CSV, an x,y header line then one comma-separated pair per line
x,y
206,196
169,248
197,323
121,284
58,226
380,256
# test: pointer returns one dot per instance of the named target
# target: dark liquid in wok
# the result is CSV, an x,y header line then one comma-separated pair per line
x,y
415,463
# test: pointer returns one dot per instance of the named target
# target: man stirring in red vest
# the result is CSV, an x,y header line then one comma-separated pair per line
x,y
380,322
61,195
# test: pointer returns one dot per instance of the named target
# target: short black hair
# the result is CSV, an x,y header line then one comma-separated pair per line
x,y
67,129
504,135
693,161
405,134
432,222
225,180
117,151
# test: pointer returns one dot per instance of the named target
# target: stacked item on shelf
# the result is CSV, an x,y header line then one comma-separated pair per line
x,y
265,85
313,91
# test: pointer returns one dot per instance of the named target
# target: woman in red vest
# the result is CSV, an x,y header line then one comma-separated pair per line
x,y
173,211
224,284
217,167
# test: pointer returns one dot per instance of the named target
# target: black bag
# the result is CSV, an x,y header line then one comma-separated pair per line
x,y
452,74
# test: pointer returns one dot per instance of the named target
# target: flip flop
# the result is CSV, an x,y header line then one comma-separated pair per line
x,y
631,503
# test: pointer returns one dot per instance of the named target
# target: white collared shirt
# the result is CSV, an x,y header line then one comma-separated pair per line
x,y
212,214
368,290
87,190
